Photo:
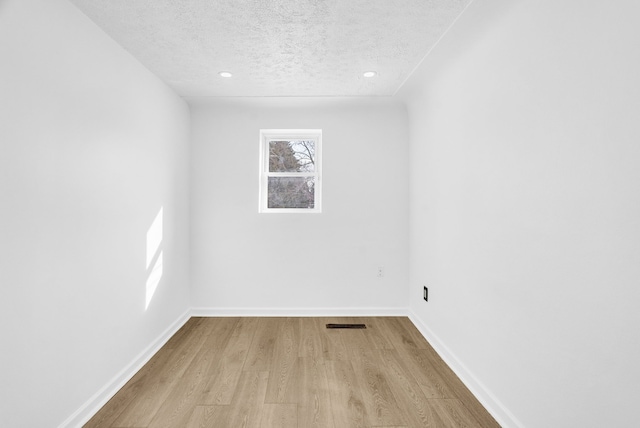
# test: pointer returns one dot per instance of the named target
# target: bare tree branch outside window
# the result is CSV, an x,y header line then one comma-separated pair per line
x,y
296,191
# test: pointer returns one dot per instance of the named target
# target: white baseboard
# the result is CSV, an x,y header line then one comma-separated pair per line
x,y
502,415
100,398
490,402
298,312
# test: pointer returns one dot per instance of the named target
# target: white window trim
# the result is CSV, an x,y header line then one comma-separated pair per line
x,y
267,135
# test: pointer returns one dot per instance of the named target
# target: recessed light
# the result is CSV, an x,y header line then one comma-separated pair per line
x,y
369,74
225,74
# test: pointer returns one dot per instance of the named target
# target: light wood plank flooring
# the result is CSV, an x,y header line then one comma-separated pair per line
x,y
293,372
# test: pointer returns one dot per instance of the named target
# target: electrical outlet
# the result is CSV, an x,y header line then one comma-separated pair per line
x,y
425,294
380,273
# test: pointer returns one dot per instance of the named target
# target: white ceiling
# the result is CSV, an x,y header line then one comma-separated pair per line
x,y
277,47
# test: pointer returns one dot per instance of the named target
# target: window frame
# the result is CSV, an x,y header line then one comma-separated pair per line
x,y
268,135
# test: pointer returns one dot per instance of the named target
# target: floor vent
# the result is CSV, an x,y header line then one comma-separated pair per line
x,y
346,326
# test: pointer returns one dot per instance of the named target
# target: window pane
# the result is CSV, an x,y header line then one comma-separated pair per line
x,y
291,192
292,156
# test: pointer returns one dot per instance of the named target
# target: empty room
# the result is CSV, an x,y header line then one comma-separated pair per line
x,y
319,213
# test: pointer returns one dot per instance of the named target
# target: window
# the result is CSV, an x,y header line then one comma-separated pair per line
x,y
290,170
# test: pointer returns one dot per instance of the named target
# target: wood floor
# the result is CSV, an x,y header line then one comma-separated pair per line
x,y
293,372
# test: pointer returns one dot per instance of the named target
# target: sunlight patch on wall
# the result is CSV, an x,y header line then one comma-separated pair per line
x,y
154,257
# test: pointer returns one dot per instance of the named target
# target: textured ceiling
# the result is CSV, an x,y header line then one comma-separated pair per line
x,y
277,47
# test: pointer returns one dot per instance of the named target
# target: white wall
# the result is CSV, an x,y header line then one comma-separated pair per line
x,y
525,207
247,262
91,146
